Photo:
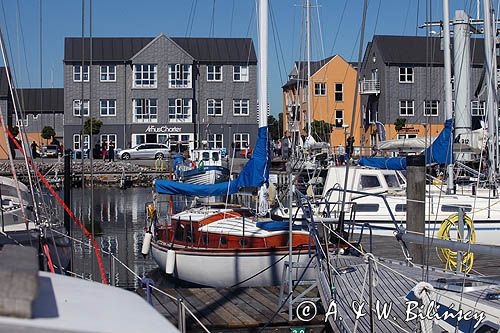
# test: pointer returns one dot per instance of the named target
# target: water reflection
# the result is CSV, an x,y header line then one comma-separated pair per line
x,y
119,228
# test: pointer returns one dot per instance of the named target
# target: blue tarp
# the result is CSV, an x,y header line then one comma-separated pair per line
x,y
276,225
439,152
254,174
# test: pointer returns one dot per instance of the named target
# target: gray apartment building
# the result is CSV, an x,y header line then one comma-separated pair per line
x,y
185,92
403,77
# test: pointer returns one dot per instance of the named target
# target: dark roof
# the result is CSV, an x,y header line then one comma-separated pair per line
x,y
52,100
301,67
4,84
420,50
122,49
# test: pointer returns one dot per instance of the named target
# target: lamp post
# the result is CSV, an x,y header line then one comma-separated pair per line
x,y
345,127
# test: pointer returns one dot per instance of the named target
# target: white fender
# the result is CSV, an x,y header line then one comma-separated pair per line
x,y
146,243
170,264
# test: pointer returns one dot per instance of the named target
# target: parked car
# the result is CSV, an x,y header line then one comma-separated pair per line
x,y
145,151
50,151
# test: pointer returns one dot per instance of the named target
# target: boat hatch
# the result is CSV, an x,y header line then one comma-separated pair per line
x,y
457,285
344,270
454,208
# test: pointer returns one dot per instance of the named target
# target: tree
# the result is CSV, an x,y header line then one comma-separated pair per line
x,y
273,126
399,124
280,125
96,126
321,129
48,132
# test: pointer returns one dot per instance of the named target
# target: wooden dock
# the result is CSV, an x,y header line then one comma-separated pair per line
x,y
233,310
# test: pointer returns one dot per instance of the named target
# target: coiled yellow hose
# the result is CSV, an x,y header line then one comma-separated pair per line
x,y
448,256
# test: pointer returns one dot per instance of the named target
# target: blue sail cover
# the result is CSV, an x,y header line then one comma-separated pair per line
x,y
439,152
254,174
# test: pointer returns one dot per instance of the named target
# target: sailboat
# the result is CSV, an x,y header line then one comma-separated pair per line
x,y
224,245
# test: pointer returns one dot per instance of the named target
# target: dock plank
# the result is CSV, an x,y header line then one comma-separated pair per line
x,y
248,304
227,319
231,308
189,297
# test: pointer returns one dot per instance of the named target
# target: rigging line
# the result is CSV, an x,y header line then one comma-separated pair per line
x,y
273,27
250,23
339,26
212,21
189,18
416,21
232,18
320,32
377,17
23,43
406,16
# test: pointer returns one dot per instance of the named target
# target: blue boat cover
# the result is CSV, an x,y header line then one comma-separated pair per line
x,y
254,174
276,225
439,152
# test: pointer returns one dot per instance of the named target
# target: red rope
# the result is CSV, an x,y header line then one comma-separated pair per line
x,y
49,259
66,208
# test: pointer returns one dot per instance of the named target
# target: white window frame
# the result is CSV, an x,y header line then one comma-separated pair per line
x,y
77,108
134,139
146,116
239,107
148,76
107,107
107,73
478,108
215,107
407,105
341,91
431,108
405,136
180,110
406,75
212,71
319,88
215,140
180,76
186,140
107,137
238,139
79,73
341,119
77,141
240,73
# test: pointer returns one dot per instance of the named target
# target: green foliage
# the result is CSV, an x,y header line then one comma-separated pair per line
x,y
399,124
96,126
14,131
321,130
273,127
48,132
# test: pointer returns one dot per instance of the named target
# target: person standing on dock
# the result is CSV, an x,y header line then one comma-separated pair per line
x,y
103,150
34,146
111,151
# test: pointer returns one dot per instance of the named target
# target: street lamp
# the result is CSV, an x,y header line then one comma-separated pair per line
x,y
345,127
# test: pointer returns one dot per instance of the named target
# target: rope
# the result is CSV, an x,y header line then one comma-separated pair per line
x,y
448,256
49,259
66,208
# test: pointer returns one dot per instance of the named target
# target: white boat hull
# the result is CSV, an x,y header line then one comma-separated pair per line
x,y
230,269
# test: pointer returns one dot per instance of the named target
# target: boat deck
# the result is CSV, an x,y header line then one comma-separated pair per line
x,y
232,310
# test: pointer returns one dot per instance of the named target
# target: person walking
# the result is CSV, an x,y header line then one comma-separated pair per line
x,y
285,144
111,151
103,150
341,154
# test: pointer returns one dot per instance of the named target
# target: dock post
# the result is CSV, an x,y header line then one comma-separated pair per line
x,y
460,237
182,316
67,197
415,203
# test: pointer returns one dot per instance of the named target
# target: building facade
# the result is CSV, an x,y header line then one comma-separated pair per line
x,y
185,92
402,82
333,82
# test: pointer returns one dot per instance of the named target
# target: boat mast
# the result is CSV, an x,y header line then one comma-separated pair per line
x,y
263,39
308,42
448,90
491,102
462,69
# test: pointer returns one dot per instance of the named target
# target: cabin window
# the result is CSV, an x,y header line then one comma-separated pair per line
x,y
206,156
392,181
215,156
487,328
367,208
179,232
401,208
243,242
223,241
454,208
367,182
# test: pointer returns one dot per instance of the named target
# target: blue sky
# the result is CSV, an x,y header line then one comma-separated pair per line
x,y
334,31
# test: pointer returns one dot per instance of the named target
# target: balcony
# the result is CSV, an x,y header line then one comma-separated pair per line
x,y
369,87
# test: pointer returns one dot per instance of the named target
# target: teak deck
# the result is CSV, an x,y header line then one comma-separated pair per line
x,y
231,310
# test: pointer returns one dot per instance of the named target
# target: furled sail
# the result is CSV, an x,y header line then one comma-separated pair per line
x,y
254,174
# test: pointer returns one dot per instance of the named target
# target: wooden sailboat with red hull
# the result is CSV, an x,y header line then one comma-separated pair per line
x,y
227,247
